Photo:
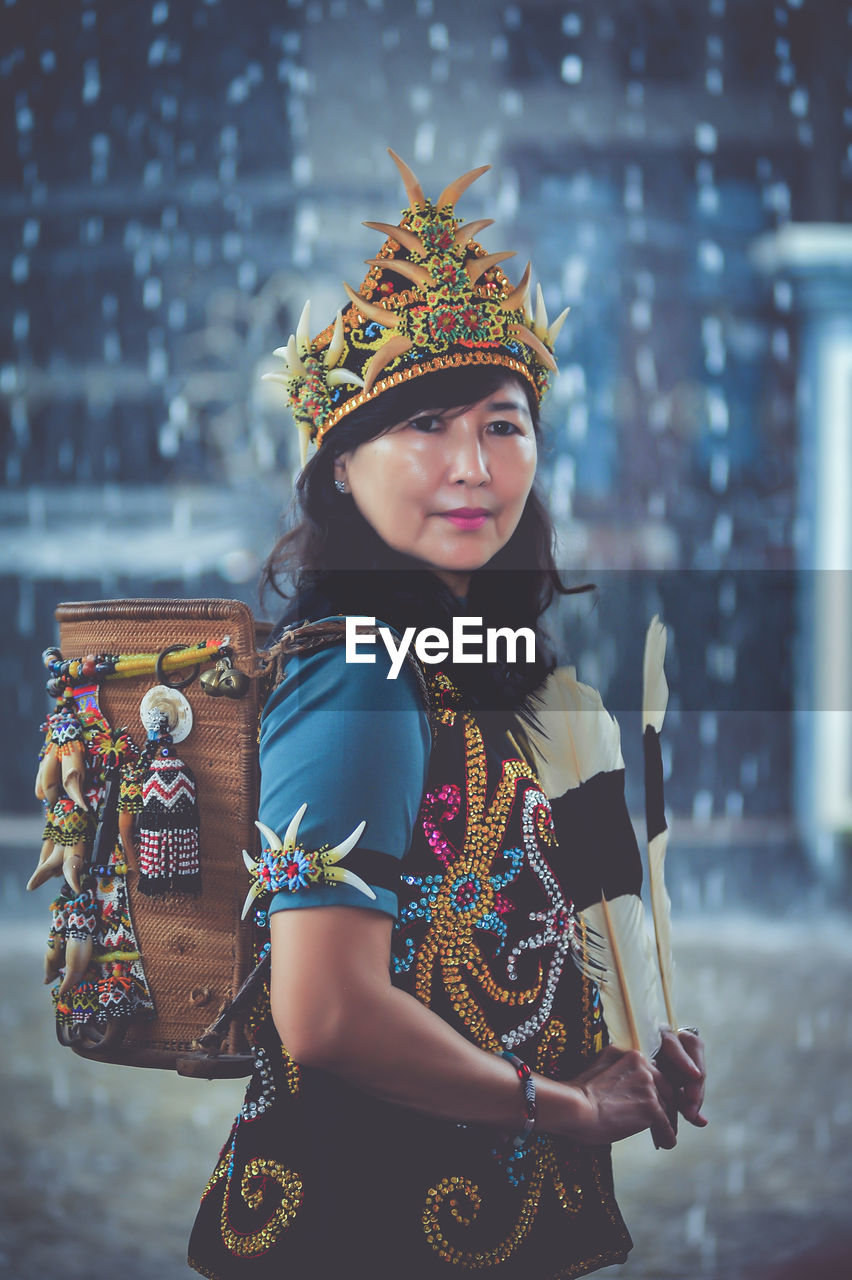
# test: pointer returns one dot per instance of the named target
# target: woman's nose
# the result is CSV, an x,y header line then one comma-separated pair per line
x,y
467,461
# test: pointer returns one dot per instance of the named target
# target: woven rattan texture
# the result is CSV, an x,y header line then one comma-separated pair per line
x,y
195,952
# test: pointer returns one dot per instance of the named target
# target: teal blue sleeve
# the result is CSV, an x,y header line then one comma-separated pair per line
x,y
354,746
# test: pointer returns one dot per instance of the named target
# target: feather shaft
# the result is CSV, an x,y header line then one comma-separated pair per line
x,y
661,907
620,975
619,958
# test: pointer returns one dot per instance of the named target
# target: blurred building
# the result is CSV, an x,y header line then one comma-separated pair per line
x,y
177,178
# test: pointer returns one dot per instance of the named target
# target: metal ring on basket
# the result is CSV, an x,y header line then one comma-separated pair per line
x,y
179,682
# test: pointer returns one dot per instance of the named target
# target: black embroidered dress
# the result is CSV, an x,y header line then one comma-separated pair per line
x,y
320,1179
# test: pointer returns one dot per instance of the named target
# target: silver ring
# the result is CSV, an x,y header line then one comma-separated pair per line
x,y
693,1031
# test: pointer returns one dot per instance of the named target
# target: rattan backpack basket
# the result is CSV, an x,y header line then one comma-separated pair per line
x,y
193,949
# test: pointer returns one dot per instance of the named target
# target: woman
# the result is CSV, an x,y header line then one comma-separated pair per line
x,y
424,915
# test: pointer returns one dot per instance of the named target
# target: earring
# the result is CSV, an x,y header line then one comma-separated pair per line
x,y
340,486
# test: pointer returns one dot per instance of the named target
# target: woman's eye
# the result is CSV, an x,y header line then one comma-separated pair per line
x,y
504,428
426,422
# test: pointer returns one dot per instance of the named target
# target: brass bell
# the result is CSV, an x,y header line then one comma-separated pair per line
x,y
233,682
209,680
225,679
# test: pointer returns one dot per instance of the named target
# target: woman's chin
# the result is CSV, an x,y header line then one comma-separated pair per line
x,y
462,558
459,564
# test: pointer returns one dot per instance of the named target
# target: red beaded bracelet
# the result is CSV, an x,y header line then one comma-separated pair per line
x,y
528,1086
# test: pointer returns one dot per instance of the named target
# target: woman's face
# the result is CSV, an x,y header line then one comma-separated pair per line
x,y
448,486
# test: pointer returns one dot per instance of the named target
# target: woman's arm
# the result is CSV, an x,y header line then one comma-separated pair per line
x,y
335,1007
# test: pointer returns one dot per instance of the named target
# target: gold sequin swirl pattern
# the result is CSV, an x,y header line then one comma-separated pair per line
x,y
250,1244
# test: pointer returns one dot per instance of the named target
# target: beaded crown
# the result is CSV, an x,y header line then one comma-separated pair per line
x,y
433,299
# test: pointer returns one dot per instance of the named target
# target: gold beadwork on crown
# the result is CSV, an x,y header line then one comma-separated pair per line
x,y
433,299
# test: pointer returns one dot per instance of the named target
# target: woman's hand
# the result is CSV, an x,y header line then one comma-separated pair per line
x,y
622,1093
680,1058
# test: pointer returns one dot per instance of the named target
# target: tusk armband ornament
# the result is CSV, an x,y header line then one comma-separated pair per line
x,y
287,865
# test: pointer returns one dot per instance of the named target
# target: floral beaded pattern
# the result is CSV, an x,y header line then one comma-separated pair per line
x,y
471,896
463,903
489,929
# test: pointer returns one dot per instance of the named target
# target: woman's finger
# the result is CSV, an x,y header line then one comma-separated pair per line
x,y
692,1097
691,1101
675,1055
665,1092
664,1132
694,1047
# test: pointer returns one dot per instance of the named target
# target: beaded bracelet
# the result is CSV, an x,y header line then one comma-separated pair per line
x,y
528,1086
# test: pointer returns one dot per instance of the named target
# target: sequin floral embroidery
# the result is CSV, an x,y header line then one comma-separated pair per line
x,y
466,899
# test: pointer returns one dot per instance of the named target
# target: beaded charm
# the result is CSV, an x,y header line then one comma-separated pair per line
x,y
168,845
92,948
61,784
81,925
287,865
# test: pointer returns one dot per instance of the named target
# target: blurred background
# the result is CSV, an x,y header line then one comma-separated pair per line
x,y
175,179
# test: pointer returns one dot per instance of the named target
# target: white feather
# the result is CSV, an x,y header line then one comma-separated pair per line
x,y
655,697
578,737
621,961
655,689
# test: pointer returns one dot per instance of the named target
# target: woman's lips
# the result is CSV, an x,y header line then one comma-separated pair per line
x,y
466,517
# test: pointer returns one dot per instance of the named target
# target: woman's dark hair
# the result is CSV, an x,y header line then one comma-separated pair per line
x,y
339,563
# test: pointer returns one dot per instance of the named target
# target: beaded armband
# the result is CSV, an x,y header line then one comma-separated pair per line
x,y
288,865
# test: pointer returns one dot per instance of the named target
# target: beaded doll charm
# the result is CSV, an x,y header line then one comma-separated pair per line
x,y
168,845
